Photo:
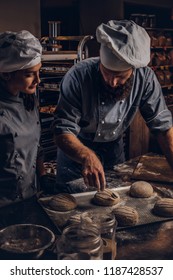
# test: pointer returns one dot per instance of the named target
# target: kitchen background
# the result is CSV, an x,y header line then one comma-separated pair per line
x,y
78,17
81,17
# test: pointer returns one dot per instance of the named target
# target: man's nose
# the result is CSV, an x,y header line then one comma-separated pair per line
x,y
114,82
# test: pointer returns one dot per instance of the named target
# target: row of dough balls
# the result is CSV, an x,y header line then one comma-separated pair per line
x,y
125,215
128,216
108,197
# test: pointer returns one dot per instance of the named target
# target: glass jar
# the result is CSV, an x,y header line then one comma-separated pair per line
x,y
80,242
108,225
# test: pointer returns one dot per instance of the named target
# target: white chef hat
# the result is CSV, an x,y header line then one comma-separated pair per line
x,y
19,50
124,44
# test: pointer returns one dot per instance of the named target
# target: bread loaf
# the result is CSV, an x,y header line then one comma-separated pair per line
x,y
164,207
63,202
141,189
126,216
107,197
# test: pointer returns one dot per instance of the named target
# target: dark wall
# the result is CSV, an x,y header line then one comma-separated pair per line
x,y
81,17
68,16
95,12
163,14
18,14
78,17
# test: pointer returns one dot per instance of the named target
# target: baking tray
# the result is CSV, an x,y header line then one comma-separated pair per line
x,y
144,207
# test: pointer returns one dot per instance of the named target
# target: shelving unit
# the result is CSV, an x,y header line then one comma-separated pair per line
x,y
162,64
162,60
59,55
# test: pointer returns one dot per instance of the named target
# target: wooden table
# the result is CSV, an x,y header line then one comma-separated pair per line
x,y
147,242
152,241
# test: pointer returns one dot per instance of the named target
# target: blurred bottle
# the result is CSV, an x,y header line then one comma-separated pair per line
x,y
136,18
144,20
54,31
152,21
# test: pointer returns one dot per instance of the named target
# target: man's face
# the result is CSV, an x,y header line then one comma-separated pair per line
x,y
115,79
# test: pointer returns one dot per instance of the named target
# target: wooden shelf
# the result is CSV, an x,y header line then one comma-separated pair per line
x,y
167,86
159,29
162,47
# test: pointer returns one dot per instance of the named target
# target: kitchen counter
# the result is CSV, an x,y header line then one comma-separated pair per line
x,y
150,241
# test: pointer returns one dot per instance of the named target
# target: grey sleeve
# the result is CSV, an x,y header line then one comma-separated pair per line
x,y
153,106
68,111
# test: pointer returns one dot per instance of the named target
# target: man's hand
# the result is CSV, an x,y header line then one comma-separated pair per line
x,y
93,172
165,140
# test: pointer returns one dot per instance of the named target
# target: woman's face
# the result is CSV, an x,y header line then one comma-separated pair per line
x,y
24,81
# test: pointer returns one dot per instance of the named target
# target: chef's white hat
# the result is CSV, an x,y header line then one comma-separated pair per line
x,y
124,44
19,50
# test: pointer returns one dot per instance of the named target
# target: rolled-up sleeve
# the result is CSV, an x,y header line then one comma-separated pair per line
x,y
68,112
153,107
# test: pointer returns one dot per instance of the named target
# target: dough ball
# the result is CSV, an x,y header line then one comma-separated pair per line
x,y
141,189
164,207
79,219
107,197
75,219
126,216
63,202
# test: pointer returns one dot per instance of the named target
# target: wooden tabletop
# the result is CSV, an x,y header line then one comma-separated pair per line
x,y
148,242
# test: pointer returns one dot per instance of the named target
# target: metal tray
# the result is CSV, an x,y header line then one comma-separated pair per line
x,y
144,207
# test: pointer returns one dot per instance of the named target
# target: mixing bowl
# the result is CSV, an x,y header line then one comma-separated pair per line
x,y
25,241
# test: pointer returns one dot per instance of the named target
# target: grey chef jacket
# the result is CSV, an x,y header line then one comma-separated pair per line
x,y
19,142
84,112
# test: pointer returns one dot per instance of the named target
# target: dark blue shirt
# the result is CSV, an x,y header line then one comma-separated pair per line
x,y
84,112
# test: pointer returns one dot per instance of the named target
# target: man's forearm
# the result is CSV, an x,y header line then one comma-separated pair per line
x,y
165,140
72,147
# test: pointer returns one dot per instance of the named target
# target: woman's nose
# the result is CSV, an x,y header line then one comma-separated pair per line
x,y
37,78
